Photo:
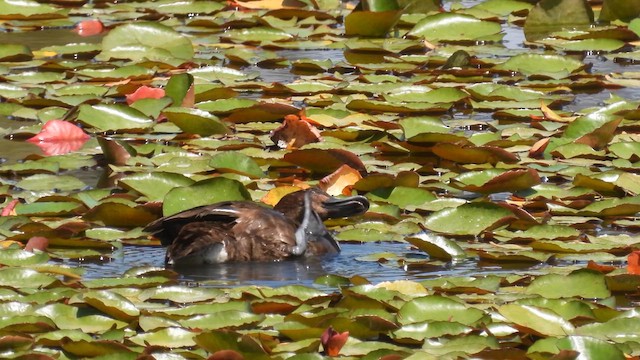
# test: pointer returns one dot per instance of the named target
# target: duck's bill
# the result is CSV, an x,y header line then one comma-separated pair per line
x,y
347,206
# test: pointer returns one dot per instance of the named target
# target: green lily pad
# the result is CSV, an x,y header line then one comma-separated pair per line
x,y
235,162
552,66
370,23
469,219
146,40
438,308
203,192
195,121
536,320
113,304
29,9
553,15
589,347
437,247
494,180
113,117
454,27
15,52
155,185
583,283
42,182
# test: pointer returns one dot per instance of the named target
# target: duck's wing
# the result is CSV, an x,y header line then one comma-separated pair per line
x,y
168,228
200,242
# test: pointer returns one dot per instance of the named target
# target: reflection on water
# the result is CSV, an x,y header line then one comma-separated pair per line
x,y
300,271
36,40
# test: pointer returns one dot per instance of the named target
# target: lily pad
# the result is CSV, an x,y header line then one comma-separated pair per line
x,y
469,219
203,192
146,40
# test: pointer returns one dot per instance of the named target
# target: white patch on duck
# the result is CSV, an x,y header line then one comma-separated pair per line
x,y
213,254
301,236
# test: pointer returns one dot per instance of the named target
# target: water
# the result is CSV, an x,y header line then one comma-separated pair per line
x,y
349,263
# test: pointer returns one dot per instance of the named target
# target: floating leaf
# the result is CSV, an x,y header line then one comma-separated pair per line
x,y
536,320
493,180
468,219
437,247
155,185
554,15
553,66
144,92
112,304
454,27
89,27
59,137
146,40
473,154
324,161
229,161
583,283
105,117
370,23
294,133
195,121
438,308
203,192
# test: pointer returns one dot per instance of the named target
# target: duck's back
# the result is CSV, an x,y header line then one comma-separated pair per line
x,y
229,231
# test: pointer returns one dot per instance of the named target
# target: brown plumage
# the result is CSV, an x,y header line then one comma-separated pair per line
x,y
246,231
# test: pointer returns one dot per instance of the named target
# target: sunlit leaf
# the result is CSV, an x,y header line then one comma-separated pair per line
x,y
553,15
436,246
537,320
553,66
468,219
583,283
452,27
146,40
155,185
203,192
195,121
104,117
237,163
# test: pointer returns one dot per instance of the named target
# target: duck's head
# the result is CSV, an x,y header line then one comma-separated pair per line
x,y
324,205
308,209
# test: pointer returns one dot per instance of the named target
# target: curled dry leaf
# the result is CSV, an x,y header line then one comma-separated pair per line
x,y
552,115
294,133
633,263
89,27
59,137
341,181
605,269
333,341
537,149
37,243
145,92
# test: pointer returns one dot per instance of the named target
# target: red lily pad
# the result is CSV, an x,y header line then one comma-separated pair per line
x,y
59,137
89,27
145,92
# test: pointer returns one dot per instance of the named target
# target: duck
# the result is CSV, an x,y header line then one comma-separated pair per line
x,y
241,231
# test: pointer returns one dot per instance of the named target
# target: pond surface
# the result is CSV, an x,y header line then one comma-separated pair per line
x,y
355,260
